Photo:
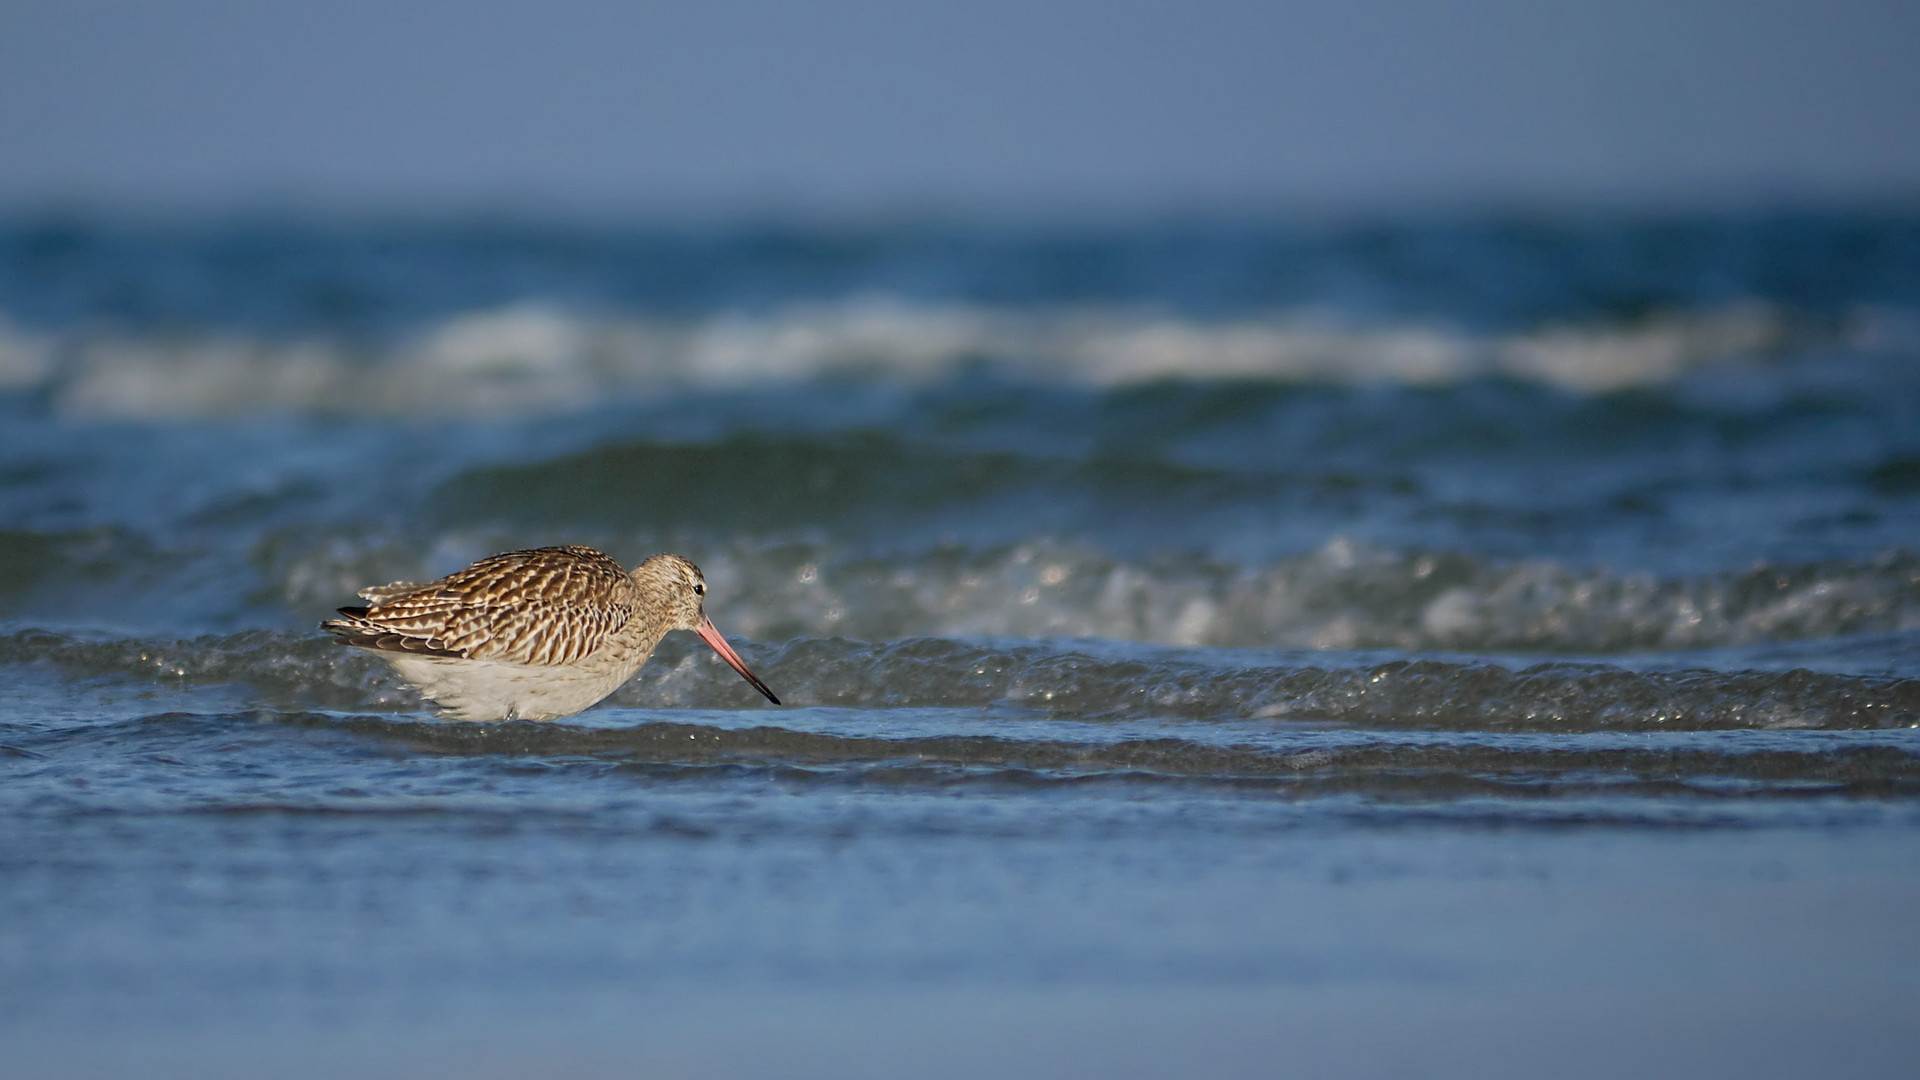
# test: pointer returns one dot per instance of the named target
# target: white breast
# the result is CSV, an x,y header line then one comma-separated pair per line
x,y
502,690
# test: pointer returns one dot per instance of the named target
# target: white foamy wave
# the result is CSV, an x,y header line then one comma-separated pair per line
x,y
25,359
537,358
1346,595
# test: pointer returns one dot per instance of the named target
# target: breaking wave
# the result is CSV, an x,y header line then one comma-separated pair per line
x,y
1345,595
536,358
1081,681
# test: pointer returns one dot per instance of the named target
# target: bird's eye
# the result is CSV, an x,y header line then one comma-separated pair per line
x,y
699,588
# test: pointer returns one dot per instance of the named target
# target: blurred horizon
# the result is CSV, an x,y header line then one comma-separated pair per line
x,y
670,216
855,112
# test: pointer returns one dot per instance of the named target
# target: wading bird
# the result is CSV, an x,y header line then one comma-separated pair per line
x,y
532,635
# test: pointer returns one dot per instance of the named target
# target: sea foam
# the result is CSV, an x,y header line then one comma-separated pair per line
x,y
532,358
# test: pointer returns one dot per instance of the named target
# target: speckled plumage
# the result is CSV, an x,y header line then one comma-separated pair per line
x,y
532,635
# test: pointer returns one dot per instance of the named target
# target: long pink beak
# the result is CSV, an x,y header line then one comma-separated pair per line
x,y
712,637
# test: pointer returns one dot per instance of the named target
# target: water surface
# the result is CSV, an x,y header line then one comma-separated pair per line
x,y
1438,644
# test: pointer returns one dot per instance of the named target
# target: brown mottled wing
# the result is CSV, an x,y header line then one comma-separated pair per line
x,y
548,607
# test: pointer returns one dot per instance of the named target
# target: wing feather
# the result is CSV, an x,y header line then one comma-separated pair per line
x,y
377,593
545,607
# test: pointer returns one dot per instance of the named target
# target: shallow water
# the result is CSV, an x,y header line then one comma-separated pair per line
x,y
1417,643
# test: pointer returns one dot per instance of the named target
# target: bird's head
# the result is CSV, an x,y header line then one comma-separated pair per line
x,y
679,585
683,588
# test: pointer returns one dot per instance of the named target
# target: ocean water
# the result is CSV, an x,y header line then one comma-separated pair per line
x,y
1440,645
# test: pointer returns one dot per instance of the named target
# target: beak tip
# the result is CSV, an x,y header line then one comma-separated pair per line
x,y
719,644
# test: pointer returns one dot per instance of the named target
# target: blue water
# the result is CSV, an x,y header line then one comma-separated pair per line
x,y
1427,644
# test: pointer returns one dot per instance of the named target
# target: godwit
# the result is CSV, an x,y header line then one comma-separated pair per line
x,y
532,635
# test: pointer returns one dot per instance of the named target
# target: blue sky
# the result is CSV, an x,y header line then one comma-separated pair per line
x,y
1040,103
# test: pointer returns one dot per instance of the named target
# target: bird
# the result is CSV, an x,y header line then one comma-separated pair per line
x,y
532,635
